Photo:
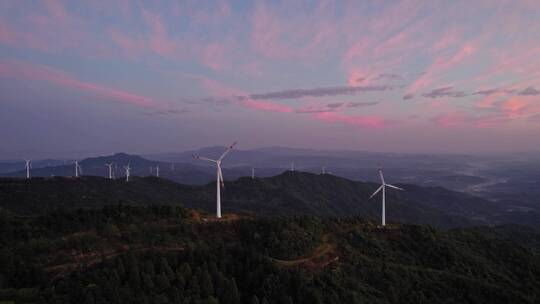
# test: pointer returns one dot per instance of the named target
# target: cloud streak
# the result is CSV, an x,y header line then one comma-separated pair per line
x,y
57,77
444,92
322,92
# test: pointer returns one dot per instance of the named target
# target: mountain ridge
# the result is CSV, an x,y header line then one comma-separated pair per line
x,y
288,193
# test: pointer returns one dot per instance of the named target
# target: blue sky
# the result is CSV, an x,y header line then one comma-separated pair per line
x,y
86,77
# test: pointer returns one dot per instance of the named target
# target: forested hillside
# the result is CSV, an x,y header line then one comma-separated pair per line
x,y
289,193
123,254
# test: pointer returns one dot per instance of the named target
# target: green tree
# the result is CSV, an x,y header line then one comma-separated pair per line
x,y
207,287
111,230
254,300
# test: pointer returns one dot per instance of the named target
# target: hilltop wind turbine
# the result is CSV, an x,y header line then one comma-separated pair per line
x,y
219,176
157,171
110,170
383,188
252,172
28,166
78,169
128,170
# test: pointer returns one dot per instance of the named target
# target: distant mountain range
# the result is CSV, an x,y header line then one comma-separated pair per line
x,y
183,168
285,194
511,181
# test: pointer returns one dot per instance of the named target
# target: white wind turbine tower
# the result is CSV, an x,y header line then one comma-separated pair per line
x,y
383,188
78,169
157,171
219,176
28,166
292,166
128,171
252,172
110,170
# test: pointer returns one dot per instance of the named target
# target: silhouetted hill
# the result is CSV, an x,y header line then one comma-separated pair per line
x,y
185,173
285,194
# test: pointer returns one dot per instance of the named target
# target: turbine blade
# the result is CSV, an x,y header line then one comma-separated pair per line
x,y
227,151
204,158
377,191
382,177
392,186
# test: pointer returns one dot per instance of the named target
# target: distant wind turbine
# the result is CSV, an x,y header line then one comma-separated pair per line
x,y
157,171
323,170
110,170
292,166
252,172
28,166
219,176
78,169
128,171
383,188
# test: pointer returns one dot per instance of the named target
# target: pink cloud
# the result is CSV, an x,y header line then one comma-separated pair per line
x,y
220,11
267,106
51,28
57,77
241,98
284,38
266,34
58,12
452,119
488,101
214,56
358,49
438,104
356,77
131,47
361,121
159,40
519,106
440,65
449,38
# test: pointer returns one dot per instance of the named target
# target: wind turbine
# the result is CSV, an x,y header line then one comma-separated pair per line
x,y
383,188
28,166
157,171
110,170
323,170
292,165
252,172
219,176
128,170
78,169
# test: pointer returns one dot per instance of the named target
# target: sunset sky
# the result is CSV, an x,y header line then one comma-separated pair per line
x,y
87,77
